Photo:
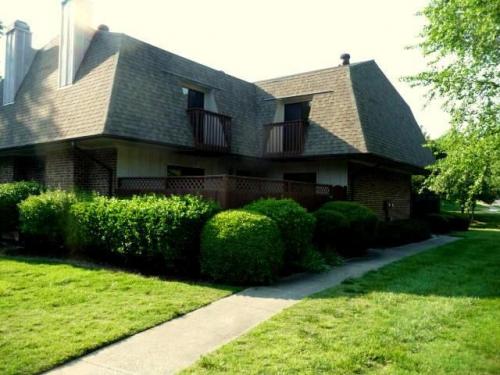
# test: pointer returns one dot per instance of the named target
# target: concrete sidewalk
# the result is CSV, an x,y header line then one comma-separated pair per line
x,y
178,343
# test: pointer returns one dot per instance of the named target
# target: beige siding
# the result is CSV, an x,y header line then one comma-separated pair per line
x,y
329,172
151,161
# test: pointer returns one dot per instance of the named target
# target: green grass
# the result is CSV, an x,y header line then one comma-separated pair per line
x,y
53,311
437,312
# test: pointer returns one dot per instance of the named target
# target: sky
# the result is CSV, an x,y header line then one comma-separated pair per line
x,y
260,39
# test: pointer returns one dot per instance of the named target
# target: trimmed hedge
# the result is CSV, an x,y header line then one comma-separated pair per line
x,y
459,222
11,194
294,222
44,219
241,247
438,223
143,229
400,232
361,222
331,229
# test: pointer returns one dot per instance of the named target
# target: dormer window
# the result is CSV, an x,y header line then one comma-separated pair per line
x,y
297,111
195,98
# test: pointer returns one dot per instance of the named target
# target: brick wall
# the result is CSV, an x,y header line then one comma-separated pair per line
x,y
60,169
6,170
372,186
92,175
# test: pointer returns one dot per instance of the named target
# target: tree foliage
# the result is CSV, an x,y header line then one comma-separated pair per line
x,y
461,43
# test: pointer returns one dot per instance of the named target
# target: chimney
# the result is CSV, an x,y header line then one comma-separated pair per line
x,y
345,58
76,35
18,58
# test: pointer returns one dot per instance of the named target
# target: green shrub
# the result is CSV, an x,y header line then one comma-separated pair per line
x,y
294,222
400,232
362,223
44,219
143,228
312,261
438,223
11,194
241,247
458,222
331,229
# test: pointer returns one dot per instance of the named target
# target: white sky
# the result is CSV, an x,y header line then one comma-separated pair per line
x,y
259,39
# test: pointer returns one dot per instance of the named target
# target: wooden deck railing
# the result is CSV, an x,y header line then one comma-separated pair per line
x,y
211,131
284,139
232,191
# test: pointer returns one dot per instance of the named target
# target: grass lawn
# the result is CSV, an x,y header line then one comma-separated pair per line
x,y
434,313
53,311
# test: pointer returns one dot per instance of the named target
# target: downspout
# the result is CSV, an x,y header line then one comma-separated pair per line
x,y
98,162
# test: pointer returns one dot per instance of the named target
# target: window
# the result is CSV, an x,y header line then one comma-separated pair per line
x,y
292,132
302,177
297,111
178,171
196,99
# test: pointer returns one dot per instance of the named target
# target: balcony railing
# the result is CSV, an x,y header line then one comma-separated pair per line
x,y
284,139
233,191
211,131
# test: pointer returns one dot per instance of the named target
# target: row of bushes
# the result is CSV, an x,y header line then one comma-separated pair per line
x,y
188,234
11,194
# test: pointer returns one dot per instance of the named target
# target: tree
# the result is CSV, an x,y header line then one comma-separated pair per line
x,y
460,42
468,169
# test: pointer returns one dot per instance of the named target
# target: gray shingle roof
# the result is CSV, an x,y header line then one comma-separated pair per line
x,y
43,113
128,88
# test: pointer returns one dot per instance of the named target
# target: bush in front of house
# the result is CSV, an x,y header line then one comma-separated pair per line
x,y
143,230
331,229
11,194
459,222
44,220
438,223
361,226
241,247
400,232
294,222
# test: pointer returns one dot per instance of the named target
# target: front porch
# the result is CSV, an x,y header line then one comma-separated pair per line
x,y
233,191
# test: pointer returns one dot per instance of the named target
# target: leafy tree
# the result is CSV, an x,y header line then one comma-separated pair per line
x,y
460,42
469,169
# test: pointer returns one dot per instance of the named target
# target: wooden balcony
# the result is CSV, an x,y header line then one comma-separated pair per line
x,y
284,139
233,191
211,131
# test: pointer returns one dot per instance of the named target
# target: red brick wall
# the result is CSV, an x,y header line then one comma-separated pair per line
x,y
93,176
64,169
371,186
6,170
60,169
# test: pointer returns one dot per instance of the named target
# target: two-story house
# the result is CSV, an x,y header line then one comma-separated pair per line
x,y
101,110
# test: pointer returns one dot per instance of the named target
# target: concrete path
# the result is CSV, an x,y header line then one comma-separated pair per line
x,y
176,344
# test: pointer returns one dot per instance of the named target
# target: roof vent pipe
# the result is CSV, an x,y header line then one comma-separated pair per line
x,y
18,58
345,58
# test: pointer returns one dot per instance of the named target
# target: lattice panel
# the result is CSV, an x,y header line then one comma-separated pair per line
x,y
142,184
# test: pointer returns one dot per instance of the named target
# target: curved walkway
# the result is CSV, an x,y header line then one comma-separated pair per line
x,y
178,343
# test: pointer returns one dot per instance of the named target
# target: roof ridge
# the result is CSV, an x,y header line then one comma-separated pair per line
x,y
314,71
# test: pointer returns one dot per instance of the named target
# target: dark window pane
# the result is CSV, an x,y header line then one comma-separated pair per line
x,y
196,99
297,111
177,171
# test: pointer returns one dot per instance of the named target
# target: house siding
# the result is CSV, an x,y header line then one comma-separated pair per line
x,y
372,186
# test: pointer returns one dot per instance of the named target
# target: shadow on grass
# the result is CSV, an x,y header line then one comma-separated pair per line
x,y
84,264
465,268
